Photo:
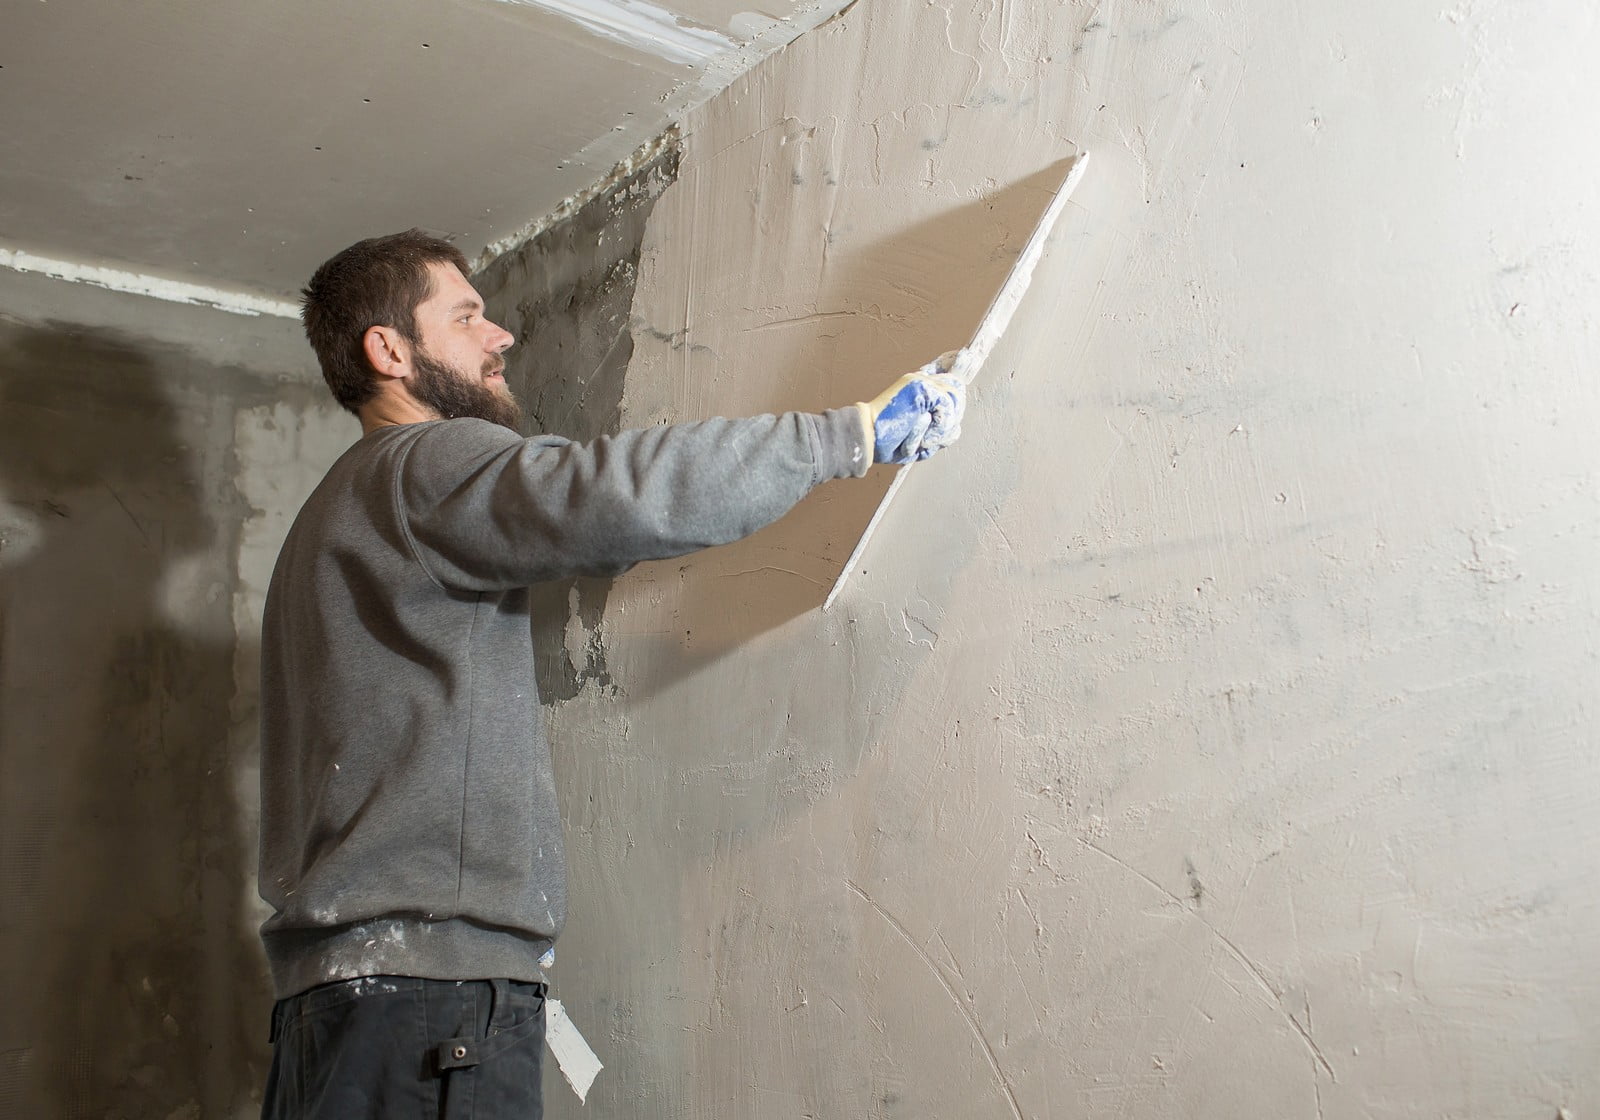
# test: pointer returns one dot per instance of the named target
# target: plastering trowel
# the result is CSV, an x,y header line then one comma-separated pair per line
x,y
976,352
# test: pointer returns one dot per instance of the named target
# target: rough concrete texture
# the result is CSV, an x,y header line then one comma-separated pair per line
x,y
1211,733
134,982
565,296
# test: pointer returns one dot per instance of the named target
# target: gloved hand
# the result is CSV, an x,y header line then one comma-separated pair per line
x,y
917,415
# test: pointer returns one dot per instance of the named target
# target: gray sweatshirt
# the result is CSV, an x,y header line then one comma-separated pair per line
x,y
408,810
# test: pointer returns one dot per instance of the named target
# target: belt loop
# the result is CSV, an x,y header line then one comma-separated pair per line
x,y
499,1005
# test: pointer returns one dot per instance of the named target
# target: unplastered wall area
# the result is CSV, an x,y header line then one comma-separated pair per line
x,y
565,296
150,457
1212,731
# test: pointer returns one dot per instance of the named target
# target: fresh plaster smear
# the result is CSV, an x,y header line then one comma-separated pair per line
x,y
1210,732
640,25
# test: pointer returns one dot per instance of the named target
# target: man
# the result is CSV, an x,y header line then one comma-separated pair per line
x,y
410,844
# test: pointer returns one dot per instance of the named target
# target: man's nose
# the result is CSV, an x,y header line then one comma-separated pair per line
x,y
500,340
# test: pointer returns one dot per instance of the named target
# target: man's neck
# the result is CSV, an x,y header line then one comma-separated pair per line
x,y
388,410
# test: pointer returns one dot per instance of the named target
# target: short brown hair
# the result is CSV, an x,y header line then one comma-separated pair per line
x,y
375,283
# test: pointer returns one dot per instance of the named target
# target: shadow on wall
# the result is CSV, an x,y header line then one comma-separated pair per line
x,y
932,282
133,984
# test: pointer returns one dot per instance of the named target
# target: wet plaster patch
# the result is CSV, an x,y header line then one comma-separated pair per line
x,y
1217,717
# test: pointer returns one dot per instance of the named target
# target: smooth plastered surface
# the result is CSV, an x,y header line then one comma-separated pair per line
x,y
1211,733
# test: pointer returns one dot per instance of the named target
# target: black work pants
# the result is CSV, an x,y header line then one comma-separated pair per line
x,y
402,1048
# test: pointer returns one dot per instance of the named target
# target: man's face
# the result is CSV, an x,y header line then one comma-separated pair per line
x,y
457,368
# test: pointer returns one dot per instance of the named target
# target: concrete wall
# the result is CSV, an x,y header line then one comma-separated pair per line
x,y
152,457
149,457
1212,732
565,295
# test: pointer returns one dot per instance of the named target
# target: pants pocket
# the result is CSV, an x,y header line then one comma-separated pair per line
x,y
497,1072
351,1052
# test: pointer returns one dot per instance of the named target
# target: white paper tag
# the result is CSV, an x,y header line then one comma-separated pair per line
x,y
577,1062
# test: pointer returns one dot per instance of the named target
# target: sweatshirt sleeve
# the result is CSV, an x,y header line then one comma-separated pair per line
x,y
485,509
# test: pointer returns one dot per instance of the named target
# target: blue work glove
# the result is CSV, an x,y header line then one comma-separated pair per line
x,y
917,415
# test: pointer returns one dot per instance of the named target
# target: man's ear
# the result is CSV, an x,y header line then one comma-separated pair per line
x,y
386,351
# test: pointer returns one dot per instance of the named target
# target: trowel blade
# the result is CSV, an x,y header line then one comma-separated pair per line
x,y
976,352
1006,300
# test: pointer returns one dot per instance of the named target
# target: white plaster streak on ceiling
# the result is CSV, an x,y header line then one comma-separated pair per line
x,y
642,26
156,287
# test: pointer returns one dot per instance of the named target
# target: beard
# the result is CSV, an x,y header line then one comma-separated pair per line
x,y
452,393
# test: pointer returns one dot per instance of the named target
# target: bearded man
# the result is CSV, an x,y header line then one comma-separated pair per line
x,y
410,840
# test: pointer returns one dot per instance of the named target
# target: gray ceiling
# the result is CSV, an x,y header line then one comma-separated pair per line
x,y
235,145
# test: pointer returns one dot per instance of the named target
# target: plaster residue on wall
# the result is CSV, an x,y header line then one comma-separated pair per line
x,y
1206,733
156,287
